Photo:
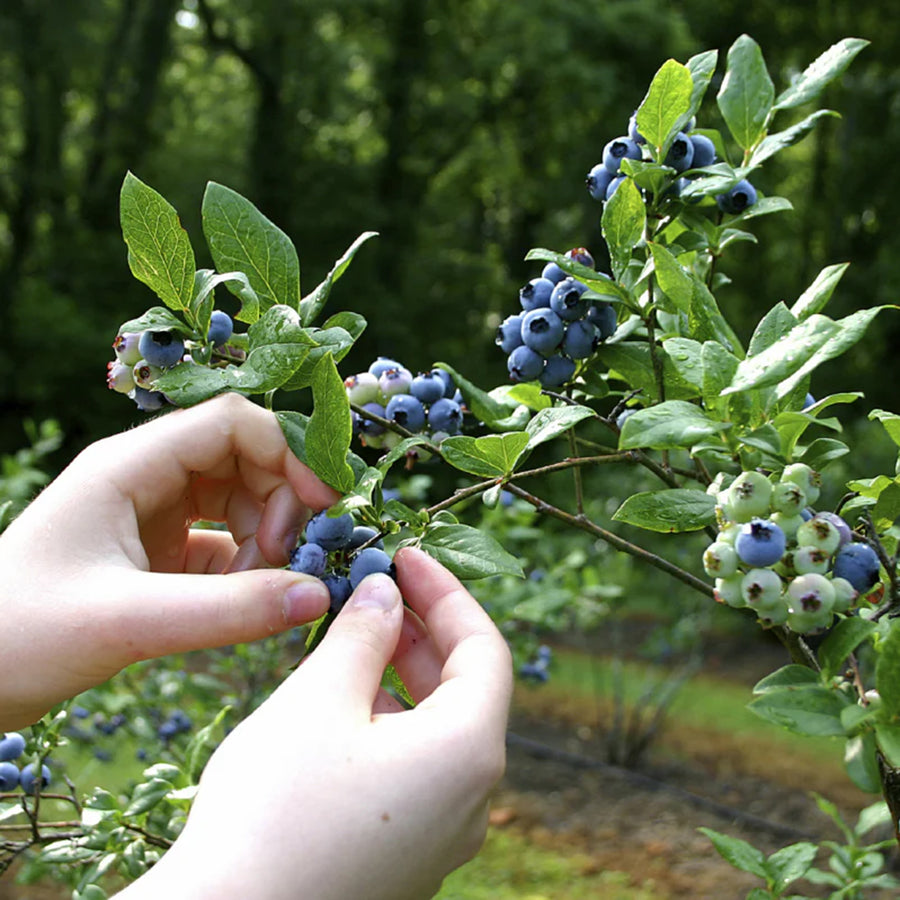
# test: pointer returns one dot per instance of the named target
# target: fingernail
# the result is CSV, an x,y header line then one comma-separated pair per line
x,y
376,592
304,600
289,542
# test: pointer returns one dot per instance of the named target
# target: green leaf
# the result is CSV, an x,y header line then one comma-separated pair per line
x,y
598,282
159,250
821,452
482,405
667,100
488,456
817,295
242,239
847,332
157,318
672,278
330,428
668,426
738,853
631,360
622,224
842,640
400,451
147,795
669,511
874,816
814,710
702,67
792,677
775,143
202,744
362,494
549,423
207,281
746,96
890,421
468,552
719,367
707,322
887,670
353,323
687,358
861,762
773,326
783,358
791,862
887,734
294,426
530,395
830,65
312,306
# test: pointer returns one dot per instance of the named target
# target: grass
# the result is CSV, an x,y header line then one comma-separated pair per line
x,y
512,868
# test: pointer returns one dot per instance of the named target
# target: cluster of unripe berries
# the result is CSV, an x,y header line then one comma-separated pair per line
x,y
559,324
340,553
142,356
775,556
689,152
12,746
425,403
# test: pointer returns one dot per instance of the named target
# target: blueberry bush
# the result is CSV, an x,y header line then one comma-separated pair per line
x,y
619,358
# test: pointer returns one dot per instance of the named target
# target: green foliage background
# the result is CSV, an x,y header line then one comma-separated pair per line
x,y
460,131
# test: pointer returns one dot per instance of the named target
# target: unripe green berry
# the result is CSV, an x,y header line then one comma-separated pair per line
x,y
845,595
145,374
728,590
720,560
809,560
362,388
761,587
788,498
788,524
772,611
749,496
807,478
819,533
810,593
728,534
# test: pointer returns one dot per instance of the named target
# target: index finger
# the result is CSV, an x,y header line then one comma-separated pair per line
x,y
476,662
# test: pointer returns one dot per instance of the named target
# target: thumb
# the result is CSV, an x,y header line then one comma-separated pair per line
x,y
155,614
350,661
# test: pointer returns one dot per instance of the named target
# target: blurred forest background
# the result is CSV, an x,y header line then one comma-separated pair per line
x,y
461,130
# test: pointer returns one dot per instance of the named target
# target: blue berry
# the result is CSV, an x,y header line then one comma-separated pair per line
x,y
598,180
614,186
681,153
581,339
220,327
704,151
339,590
161,348
741,197
536,293
523,364
447,379
859,564
581,255
362,534
552,272
534,671
407,411
445,415
542,330
603,316
633,132
567,301
9,776
370,426
382,364
27,778
618,149
369,562
329,533
394,381
427,387
509,334
310,559
12,746
760,543
557,371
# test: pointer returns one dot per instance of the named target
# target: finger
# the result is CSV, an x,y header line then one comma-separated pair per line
x,y
416,658
351,659
477,666
385,704
208,552
155,614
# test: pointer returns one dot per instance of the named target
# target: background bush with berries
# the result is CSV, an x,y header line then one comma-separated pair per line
x,y
637,368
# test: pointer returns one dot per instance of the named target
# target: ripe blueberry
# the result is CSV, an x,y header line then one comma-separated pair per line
x,y
161,348
220,327
524,364
760,543
618,149
405,410
859,564
28,777
9,776
509,336
603,315
552,272
536,293
310,559
382,364
542,330
427,387
362,534
581,339
581,255
329,533
741,197
557,372
614,186
633,132
598,180
704,151
681,153
394,381
338,589
447,379
566,299
370,427
369,562
445,415
12,746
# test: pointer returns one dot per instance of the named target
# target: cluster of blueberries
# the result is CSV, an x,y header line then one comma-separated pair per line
x,y
97,725
427,402
690,152
560,323
340,553
12,746
537,669
774,555
142,356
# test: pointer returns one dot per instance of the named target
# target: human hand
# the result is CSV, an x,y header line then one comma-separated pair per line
x,y
329,790
103,569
